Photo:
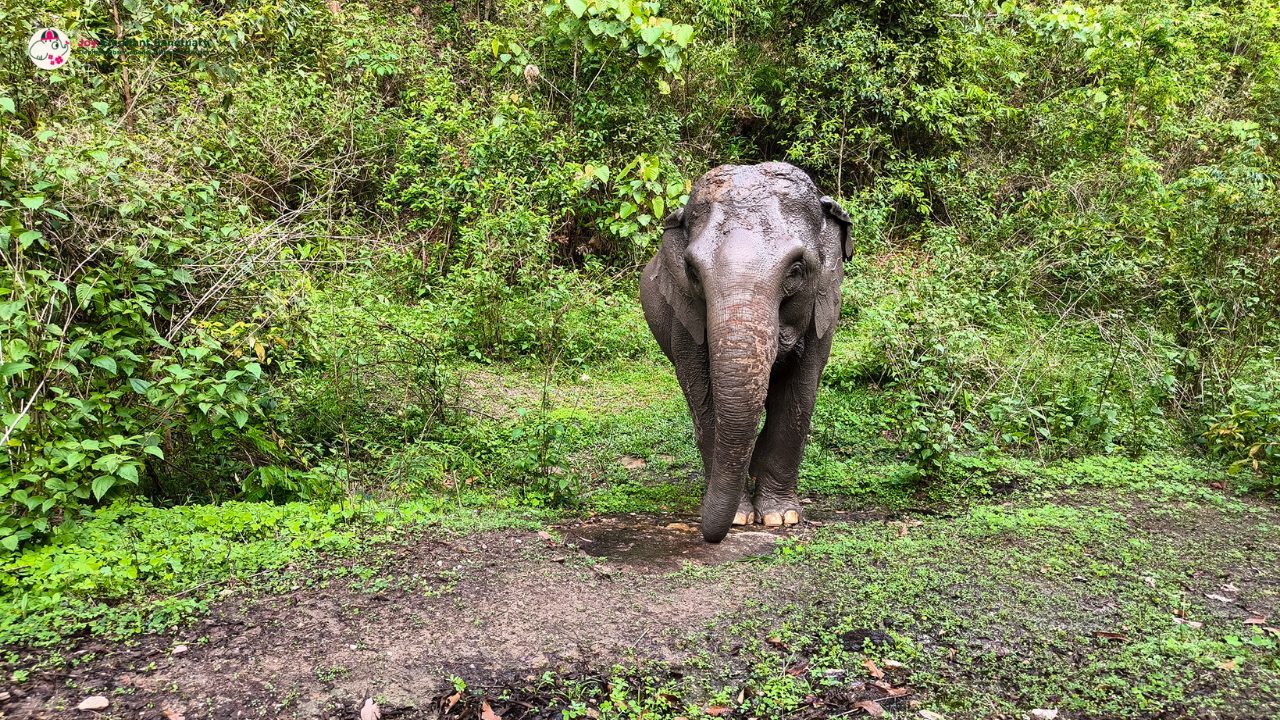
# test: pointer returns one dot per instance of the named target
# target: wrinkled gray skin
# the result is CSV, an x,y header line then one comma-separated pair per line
x,y
743,298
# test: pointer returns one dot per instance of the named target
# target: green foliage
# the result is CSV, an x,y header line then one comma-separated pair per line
x,y
1251,435
125,550
611,25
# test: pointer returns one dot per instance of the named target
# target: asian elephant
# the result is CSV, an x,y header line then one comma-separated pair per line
x,y
743,297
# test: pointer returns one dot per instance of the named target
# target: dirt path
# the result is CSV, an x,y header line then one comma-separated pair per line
x,y
1096,604
495,608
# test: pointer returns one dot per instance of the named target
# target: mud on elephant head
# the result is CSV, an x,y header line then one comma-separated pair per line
x,y
743,298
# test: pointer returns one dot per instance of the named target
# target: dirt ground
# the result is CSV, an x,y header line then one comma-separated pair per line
x,y
495,608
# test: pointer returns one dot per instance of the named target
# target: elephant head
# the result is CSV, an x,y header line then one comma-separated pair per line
x,y
752,268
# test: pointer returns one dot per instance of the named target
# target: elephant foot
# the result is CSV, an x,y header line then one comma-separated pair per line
x,y
775,512
746,514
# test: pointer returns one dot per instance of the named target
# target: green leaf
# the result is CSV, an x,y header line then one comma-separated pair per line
x,y
139,386
658,207
651,34
105,363
101,485
153,450
681,34
84,293
577,7
6,104
10,542
33,203
128,472
241,417
65,366
183,276
13,368
255,369
102,107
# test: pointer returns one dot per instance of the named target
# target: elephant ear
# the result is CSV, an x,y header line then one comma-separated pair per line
x,y
671,283
836,247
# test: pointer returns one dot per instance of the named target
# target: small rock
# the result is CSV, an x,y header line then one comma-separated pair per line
x,y
1044,714
180,650
679,526
94,702
631,462
930,715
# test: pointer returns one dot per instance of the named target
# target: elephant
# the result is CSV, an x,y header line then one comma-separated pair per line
x,y
743,297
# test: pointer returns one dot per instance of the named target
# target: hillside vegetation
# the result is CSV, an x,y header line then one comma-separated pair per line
x,y
371,260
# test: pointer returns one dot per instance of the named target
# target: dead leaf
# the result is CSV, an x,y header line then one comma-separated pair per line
x,y
871,668
679,526
1150,581
371,711
777,643
669,699
1230,588
1219,598
171,715
417,11
93,702
797,670
1228,665
893,691
930,715
1188,623
1218,486
1111,636
902,531
1255,621
558,558
603,569
487,713
1044,714
453,700
631,462
179,650
871,706
718,710
1273,631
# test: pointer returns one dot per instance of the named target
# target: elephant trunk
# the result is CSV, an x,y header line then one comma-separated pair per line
x,y
742,335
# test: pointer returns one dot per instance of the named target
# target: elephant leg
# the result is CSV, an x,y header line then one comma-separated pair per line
x,y
775,464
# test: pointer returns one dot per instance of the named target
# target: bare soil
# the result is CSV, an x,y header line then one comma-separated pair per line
x,y
497,609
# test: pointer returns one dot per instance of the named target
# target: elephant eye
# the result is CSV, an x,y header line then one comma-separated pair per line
x,y
795,277
692,272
